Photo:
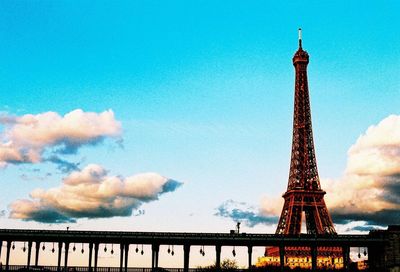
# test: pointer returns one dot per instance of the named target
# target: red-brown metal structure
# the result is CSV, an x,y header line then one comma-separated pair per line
x,y
304,193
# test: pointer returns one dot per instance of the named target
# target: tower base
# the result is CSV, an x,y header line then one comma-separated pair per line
x,y
327,257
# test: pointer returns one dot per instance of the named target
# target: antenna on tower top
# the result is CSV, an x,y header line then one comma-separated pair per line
x,y
299,37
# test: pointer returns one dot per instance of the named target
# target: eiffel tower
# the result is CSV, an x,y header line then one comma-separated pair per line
x,y
304,198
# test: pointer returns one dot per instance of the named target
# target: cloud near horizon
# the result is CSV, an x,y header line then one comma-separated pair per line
x,y
91,193
25,139
368,192
242,212
370,187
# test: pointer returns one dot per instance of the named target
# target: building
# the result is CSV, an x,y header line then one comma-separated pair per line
x,y
304,206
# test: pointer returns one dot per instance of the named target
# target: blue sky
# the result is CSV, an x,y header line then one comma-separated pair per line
x,y
203,91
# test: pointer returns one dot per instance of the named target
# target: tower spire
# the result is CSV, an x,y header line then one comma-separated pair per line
x,y
300,38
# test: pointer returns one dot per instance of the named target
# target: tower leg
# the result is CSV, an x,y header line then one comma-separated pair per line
x,y
8,256
59,256
90,256
282,257
66,257
250,251
37,249
126,257
154,256
186,253
28,263
121,257
218,257
96,255
314,253
346,257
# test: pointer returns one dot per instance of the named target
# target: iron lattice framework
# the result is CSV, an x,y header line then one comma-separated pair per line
x,y
304,193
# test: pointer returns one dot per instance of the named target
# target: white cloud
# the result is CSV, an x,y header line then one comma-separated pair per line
x,y
25,138
242,212
271,206
370,188
92,193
